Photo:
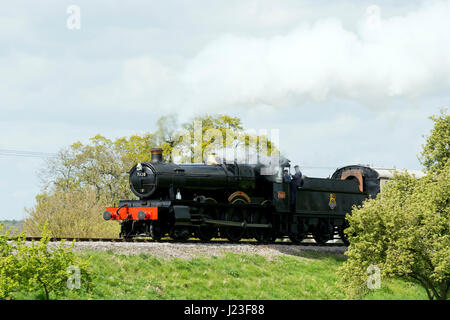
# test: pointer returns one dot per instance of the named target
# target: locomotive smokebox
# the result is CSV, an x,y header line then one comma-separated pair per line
x,y
156,155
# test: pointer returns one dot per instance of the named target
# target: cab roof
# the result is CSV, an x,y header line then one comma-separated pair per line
x,y
385,173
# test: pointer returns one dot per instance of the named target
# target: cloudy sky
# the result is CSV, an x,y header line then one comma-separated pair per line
x,y
345,82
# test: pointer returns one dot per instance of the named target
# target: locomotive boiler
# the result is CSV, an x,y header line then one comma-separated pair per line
x,y
164,180
234,201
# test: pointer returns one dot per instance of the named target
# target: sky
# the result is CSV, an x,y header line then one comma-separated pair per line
x,y
344,82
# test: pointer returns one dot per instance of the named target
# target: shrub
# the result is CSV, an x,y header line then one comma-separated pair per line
x,y
71,214
405,231
35,267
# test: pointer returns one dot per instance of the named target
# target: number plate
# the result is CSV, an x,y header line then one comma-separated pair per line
x,y
281,195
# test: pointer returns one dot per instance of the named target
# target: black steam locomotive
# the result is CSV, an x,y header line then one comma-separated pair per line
x,y
237,201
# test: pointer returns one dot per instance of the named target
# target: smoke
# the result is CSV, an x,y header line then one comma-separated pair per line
x,y
382,58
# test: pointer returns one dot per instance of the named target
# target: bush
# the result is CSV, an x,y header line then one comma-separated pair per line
x,y
9,280
72,214
36,267
405,231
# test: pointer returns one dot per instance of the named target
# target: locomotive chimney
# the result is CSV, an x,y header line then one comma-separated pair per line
x,y
157,155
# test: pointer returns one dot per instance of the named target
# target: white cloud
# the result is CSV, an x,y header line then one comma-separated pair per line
x,y
402,56
405,55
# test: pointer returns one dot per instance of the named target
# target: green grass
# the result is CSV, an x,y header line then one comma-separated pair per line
x,y
233,276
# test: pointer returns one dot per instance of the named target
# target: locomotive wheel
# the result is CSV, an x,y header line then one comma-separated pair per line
x,y
297,238
155,232
180,234
206,232
301,232
234,234
262,235
320,238
321,233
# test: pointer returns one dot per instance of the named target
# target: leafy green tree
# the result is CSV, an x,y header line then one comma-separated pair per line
x,y
134,149
37,267
221,131
71,214
9,275
48,269
405,231
436,151
97,166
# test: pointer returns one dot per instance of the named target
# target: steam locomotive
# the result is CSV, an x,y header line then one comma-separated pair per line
x,y
235,201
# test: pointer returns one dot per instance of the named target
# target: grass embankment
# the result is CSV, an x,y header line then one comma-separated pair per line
x,y
233,276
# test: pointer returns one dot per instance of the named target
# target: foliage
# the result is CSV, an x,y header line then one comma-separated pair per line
x,y
405,231
436,151
98,166
222,132
310,275
35,267
72,214
9,276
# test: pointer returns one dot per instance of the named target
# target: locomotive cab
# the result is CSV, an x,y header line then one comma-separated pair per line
x,y
370,179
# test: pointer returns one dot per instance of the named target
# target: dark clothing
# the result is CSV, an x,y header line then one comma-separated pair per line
x,y
293,192
295,184
287,178
297,179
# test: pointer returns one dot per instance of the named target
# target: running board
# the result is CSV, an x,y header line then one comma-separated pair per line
x,y
237,224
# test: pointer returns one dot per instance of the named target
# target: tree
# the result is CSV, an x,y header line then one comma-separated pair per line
x,y
220,132
70,214
25,267
50,270
132,150
9,275
436,151
405,231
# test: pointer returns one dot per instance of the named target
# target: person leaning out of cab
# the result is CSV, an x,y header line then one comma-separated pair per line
x,y
295,183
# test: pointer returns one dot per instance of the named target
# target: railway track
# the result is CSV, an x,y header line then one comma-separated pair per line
x,y
190,241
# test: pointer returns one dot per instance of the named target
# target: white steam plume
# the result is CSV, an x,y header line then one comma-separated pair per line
x,y
401,56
